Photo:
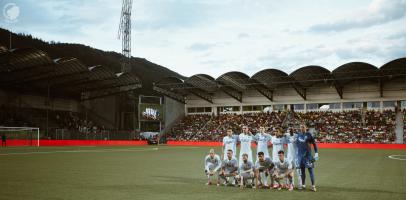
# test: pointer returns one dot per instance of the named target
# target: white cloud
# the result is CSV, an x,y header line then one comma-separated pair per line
x,y
215,37
378,12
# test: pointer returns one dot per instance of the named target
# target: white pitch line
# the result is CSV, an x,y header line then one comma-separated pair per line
x,y
395,157
96,150
80,151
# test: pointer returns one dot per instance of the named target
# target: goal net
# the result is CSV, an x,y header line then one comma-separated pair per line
x,y
20,136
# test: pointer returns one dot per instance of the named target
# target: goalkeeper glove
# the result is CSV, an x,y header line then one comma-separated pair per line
x,y
316,156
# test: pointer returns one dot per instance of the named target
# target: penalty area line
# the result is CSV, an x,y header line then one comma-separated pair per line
x,y
397,157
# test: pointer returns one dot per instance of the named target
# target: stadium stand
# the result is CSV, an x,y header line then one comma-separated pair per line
x,y
332,127
213,105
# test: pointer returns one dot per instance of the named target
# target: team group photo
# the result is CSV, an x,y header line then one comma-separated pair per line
x,y
262,169
203,99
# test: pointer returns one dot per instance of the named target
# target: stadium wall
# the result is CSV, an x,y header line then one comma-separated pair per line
x,y
174,111
358,91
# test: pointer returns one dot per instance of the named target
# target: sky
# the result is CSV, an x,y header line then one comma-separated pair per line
x,y
214,37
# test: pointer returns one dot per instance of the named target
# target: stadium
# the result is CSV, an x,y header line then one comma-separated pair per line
x,y
77,122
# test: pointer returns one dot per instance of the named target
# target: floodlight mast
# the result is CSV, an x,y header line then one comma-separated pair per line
x,y
124,33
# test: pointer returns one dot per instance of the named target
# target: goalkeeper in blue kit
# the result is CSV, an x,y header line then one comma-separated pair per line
x,y
305,158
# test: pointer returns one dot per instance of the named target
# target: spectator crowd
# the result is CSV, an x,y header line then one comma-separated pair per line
x,y
355,126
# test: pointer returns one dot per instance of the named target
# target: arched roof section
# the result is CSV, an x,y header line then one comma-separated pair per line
x,y
393,69
234,79
271,78
346,73
202,81
311,75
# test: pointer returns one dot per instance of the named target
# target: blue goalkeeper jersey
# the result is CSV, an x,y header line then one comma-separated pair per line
x,y
303,142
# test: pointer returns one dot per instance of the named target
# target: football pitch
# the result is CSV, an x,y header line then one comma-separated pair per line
x,y
164,172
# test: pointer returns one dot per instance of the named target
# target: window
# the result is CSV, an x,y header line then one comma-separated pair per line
x,y
403,104
247,108
207,109
229,108
373,104
348,105
256,108
389,104
191,110
279,107
298,106
200,109
312,106
335,106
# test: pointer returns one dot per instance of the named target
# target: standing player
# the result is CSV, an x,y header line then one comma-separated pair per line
x,y
283,170
246,176
212,164
305,159
278,142
229,168
263,140
245,139
263,169
291,154
229,142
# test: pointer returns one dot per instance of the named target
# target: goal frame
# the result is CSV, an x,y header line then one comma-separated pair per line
x,y
7,128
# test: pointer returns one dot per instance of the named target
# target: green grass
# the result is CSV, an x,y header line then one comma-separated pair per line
x,y
177,173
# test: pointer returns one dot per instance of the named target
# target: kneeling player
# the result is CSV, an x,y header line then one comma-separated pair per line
x,y
246,176
212,164
283,170
263,168
229,168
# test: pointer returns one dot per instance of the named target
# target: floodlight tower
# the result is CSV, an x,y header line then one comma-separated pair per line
x,y
124,33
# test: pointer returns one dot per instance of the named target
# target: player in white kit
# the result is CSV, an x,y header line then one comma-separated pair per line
x,y
278,140
212,165
246,174
292,152
245,139
230,142
263,169
262,140
283,170
229,169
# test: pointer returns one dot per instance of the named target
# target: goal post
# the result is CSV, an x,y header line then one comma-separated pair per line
x,y
20,136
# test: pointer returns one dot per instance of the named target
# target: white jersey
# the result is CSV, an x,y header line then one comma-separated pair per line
x,y
230,165
292,150
283,167
263,139
245,146
230,143
212,164
277,145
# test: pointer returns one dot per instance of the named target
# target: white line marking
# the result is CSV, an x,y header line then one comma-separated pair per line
x,y
81,151
396,157
96,150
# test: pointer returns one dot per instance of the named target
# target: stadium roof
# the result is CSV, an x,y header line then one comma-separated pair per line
x,y
266,81
31,69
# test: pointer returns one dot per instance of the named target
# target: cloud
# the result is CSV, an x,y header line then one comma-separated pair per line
x,y
378,12
201,46
243,35
215,37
